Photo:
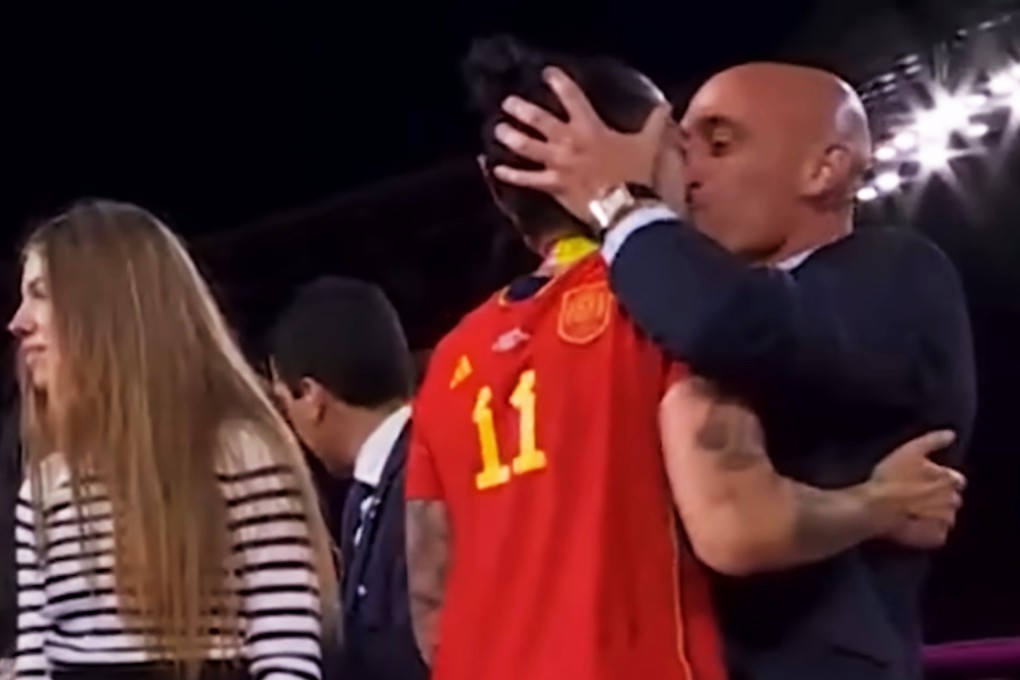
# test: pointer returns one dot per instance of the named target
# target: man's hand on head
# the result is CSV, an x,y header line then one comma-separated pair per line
x,y
582,157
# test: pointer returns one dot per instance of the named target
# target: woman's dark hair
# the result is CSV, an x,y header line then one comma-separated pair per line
x,y
500,66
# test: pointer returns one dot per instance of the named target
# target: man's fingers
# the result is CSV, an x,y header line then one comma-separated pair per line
x,y
534,117
927,444
543,180
579,109
523,145
945,512
953,478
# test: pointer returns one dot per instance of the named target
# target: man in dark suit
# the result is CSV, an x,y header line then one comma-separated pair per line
x,y
343,374
848,343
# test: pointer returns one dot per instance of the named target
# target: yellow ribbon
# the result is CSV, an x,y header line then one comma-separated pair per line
x,y
569,250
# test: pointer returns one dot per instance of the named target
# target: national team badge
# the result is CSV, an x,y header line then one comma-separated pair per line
x,y
585,312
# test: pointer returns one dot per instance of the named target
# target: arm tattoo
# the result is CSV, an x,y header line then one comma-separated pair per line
x,y
428,539
815,523
827,522
731,431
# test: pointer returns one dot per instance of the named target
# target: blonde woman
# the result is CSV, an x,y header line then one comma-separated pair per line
x,y
168,527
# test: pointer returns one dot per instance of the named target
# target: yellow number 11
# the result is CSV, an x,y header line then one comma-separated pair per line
x,y
530,458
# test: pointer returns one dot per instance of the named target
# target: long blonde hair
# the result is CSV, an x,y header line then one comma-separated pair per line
x,y
148,377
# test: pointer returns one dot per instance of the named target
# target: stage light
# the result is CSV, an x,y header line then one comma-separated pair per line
x,y
1002,84
977,130
933,157
885,153
975,101
865,194
940,121
888,181
905,141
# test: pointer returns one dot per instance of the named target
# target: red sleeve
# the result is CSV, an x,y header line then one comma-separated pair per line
x,y
674,373
421,478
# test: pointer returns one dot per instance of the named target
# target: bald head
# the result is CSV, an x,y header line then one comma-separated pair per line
x,y
808,103
772,146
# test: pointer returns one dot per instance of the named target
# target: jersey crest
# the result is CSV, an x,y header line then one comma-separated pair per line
x,y
585,312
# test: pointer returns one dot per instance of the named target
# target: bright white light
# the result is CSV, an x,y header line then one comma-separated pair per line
x,y
1014,71
976,130
939,122
1002,84
905,141
933,156
865,194
885,153
975,101
888,181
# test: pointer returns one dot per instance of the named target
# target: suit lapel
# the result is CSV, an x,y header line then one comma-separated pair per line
x,y
362,552
395,463
352,554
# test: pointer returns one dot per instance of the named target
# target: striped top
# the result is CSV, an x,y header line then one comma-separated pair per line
x,y
69,616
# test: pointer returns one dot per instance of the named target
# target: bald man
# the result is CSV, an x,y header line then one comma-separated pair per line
x,y
845,343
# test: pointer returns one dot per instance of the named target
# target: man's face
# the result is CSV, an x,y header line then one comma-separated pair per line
x,y
302,410
740,171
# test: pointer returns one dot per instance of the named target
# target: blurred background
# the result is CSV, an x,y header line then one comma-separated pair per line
x,y
289,141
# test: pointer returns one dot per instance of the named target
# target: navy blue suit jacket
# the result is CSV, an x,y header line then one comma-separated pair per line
x,y
865,344
378,639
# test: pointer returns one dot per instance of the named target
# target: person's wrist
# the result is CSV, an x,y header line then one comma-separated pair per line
x,y
614,205
883,506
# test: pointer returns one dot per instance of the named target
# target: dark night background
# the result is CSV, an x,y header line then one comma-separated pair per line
x,y
286,141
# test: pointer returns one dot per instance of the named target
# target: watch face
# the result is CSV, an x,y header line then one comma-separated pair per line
x,y
617,198
606,210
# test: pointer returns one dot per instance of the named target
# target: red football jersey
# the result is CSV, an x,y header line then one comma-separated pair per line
x,y
537,425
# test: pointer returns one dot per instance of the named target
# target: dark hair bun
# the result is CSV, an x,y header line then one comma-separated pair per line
x,y
499,66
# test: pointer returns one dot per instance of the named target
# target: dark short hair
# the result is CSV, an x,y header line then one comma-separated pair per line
x,y
500,66
345,335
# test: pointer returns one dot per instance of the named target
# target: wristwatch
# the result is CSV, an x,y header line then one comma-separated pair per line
x,y
615,203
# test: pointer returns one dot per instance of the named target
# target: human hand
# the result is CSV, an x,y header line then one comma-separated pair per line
x,y
921,498
582,157
922,534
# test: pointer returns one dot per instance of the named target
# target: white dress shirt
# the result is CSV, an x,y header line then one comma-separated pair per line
x,y
372,458
794,261
373,454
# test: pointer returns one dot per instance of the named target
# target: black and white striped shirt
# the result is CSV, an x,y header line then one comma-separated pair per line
x,y
68,612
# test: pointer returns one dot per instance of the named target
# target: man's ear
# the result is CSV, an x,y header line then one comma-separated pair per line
x,y
313,394
831,175
491,183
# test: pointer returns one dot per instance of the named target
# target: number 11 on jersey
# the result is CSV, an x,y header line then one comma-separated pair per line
x,y
529,457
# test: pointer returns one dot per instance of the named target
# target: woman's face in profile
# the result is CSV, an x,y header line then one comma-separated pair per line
x,y
32,325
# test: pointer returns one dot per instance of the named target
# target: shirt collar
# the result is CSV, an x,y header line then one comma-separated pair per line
x,y
372,457
794,261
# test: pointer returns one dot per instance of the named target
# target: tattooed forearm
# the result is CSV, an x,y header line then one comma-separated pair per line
x,y
783,523
731,432
828,522
428,544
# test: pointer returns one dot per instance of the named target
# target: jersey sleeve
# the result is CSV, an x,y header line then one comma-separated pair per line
x,y
674,372
423,481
